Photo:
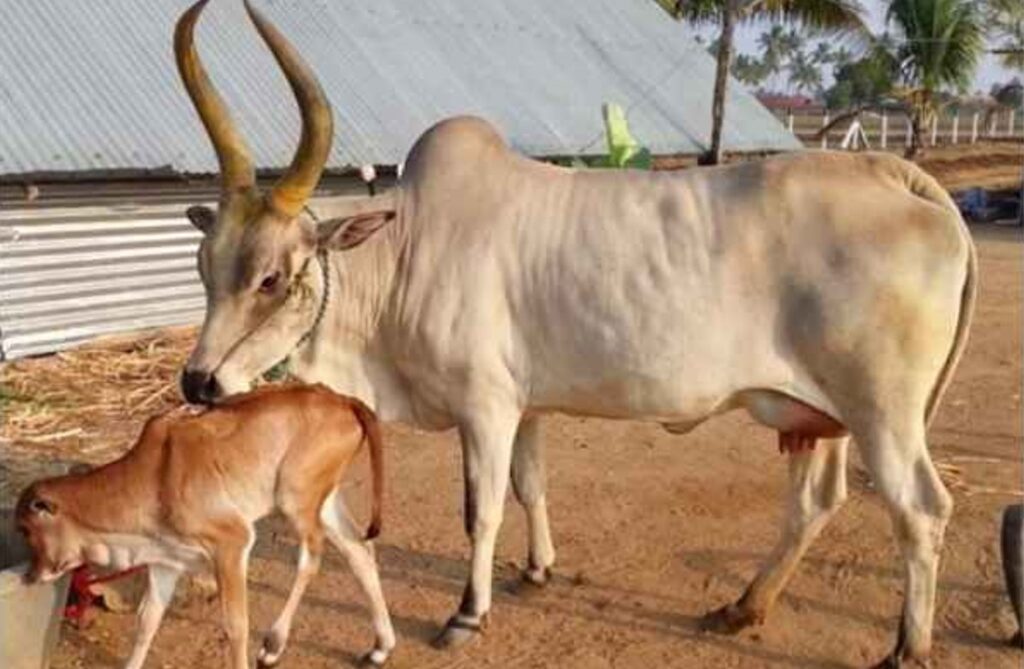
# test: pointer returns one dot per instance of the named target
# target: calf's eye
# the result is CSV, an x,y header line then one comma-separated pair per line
x,y
269,282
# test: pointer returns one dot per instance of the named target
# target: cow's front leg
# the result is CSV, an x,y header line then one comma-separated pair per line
x,y
529,483
486,459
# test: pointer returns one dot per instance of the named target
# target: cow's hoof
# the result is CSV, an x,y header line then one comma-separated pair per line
x,y
894,661
375,658
730,619
1017,640
537,576
457,632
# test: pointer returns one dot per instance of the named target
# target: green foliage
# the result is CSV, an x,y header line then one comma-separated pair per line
x,y
863,82
1005,21
942,42
1010,94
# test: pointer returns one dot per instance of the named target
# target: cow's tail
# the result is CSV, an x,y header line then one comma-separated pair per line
x,y
925,186
372,436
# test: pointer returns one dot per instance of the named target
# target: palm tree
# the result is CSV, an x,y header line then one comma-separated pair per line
x,y
748,70
942,43
829,15
1005,19
822,54
771,44
803,72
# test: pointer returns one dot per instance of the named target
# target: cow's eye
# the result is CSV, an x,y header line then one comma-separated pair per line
x,y
269,282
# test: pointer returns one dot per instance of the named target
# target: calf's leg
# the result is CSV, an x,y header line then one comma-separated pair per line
x,y
231,564
347,538
310,550
817,488
159,591
529,484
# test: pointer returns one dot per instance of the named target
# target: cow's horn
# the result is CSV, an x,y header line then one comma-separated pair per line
x,y
235,163
292,191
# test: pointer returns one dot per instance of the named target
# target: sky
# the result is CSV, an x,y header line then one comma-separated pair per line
x,y
988,73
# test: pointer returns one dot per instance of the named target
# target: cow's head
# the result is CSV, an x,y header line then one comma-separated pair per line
x,y
257,259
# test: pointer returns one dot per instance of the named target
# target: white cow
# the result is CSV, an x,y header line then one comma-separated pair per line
x,y
828,294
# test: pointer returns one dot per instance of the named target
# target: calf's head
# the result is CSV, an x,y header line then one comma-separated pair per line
x,y
258,256
53,537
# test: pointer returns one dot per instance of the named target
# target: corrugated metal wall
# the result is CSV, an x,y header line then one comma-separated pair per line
x,y
90,260
68,274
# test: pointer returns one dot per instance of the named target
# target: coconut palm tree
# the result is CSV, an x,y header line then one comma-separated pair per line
x,y
822,54
772,44
803,73
940,43
1005,19
749,70
828,15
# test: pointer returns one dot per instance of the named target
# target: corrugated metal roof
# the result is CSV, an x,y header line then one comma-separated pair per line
x,y
91,86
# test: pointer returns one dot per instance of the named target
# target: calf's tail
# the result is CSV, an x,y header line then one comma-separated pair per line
x,y
371,434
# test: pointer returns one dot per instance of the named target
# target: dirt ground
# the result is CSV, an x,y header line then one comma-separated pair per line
x,y
987,165
652,530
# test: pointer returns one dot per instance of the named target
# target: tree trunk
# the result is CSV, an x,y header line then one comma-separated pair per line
x,y
714,154
916,135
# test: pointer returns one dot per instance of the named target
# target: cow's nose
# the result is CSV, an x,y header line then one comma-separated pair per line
x,y
199,387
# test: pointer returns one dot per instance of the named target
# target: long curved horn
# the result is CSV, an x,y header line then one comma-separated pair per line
x,y
236,166
296,185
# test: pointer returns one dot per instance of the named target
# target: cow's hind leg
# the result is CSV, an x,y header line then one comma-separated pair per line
x,y
529,483
347,538
817,488
920,506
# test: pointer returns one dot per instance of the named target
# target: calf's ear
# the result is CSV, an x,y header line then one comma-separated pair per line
x,y
339,234
202,217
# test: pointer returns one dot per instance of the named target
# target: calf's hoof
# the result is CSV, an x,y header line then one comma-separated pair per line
x,y
375,658
458,632
269,653
537,576
730,619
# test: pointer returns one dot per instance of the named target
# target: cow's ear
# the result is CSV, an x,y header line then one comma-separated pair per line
x,y
339,234
202,217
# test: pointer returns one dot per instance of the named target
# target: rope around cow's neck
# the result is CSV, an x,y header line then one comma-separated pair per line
x,y
282,368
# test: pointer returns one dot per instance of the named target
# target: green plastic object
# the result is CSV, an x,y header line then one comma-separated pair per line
x,y
623,150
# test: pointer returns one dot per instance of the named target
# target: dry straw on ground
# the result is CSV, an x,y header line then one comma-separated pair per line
x,y
85,404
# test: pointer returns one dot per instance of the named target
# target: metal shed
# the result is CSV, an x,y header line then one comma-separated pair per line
x,y
91,86
89,91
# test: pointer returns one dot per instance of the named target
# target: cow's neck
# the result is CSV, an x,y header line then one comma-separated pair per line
x,y
347,350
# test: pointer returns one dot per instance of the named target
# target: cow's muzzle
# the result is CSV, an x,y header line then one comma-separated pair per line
x,y
199,387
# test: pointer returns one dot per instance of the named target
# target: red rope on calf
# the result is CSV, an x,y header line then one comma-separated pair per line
x,y
81,597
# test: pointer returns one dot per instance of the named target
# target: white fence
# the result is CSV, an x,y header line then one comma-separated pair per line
x,y
892,130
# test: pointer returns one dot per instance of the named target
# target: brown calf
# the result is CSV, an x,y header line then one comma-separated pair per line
x,y
189,492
